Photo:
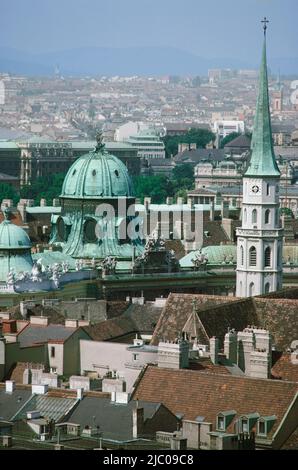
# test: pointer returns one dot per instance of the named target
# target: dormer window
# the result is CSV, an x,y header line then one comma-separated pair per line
x,y
265,425
221,423
262,428
244,425
224,419
248,422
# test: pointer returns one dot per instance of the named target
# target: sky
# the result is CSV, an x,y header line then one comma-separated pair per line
x,y
213,28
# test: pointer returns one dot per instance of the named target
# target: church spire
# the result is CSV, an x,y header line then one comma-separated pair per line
x,y
262,162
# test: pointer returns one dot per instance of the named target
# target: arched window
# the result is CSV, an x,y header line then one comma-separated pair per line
x,y
245,215
267,216
267,257
254,216
241,255
267,287
268,189
251,289
252,256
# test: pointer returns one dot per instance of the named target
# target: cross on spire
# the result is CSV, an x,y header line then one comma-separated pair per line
x,y
265,22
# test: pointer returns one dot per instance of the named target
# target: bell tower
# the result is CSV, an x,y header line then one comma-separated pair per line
x,y
259,240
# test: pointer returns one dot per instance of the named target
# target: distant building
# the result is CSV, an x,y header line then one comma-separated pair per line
x,y
148,144
224,128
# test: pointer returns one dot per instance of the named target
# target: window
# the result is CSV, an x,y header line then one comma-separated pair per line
x,y
244,425
221,423
267,216
267,288
252,256
135,357
52,351
251,289
245,215
267,257
268,189
241,255
262,428
254,216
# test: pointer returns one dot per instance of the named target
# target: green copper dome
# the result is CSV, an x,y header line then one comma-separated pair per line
x,y
97,174
13,237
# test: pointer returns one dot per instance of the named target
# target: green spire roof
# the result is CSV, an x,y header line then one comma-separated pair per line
x,y
262,162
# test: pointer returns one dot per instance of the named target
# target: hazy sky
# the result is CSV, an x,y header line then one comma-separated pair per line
x,y
213,28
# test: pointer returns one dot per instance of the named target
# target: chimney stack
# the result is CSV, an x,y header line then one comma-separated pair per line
x,y
214,349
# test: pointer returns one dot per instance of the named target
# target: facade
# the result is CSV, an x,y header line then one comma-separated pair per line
x,y
259,242
224,128
149,145
35,157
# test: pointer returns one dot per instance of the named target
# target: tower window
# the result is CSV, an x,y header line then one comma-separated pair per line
x,y
267,288
251,289
241,255
245,215
254,216
267,257
253,256
267,216
268,189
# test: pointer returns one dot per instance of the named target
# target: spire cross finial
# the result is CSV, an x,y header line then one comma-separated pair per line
x,y
265,22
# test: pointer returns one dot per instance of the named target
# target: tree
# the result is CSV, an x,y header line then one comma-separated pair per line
x,y
229,138
183,171
200,137
8,192
48,187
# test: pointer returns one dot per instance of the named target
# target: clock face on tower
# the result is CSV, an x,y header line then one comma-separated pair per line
x,y
255,189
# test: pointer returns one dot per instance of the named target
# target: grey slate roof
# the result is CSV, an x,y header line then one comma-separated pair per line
x,y
195,156
10,403
114,420
33,334
49,407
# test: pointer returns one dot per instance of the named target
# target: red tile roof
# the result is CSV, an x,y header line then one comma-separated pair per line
x,y
204,394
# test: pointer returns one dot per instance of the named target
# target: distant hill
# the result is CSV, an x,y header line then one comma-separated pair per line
x,y
126,61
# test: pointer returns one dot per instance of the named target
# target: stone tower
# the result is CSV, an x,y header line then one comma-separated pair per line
x,y
259,240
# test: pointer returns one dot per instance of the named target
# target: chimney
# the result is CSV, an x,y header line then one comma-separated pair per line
x,y
169,201
245,346
39,389
225,209
9,326
260,364
211,214
230,346
36,320
43,202
180,200
214,348
80,393
10,386
173,355
71,323
137,422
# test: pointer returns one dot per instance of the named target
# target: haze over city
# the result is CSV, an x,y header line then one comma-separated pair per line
x,y
142,37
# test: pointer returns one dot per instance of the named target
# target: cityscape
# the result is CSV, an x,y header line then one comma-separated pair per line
x,y
148,241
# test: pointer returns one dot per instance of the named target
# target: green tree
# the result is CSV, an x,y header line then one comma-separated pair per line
x,y
183,171
8,192
48,187
200,137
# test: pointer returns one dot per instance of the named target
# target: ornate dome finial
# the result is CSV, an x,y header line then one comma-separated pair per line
x,y
99,142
